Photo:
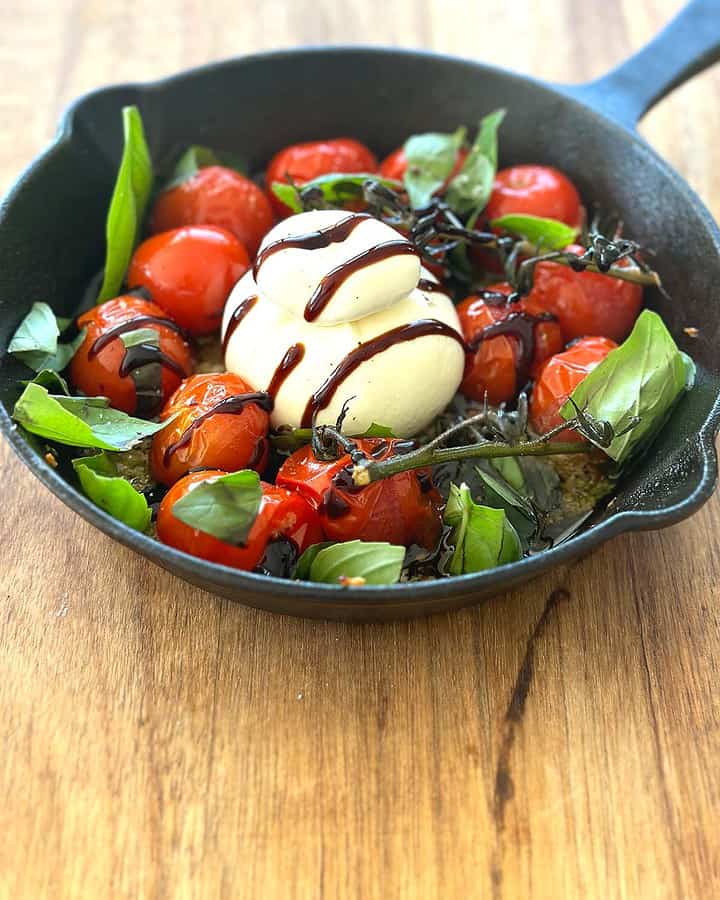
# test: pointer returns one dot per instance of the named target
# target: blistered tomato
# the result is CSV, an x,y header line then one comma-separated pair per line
x,y
283,515
104,366
559,377
587,302
403,509
190,271
300,163
500,364
220,423
216,196
536,191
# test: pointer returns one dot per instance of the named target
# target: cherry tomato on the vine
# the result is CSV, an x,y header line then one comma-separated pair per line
x,y
282,514
559,377
494,368
216,196
395,165
202,434
402,509
190,271
536,191
300,163
587,302
95,368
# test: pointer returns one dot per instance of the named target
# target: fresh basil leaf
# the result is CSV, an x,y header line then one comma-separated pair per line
x,y
336,188
100,482
549,234
430,160
127,206
483,537
51,381
36,341
470,189
304,564
287,194
376,562
140,336
197,157
80,421
510,470
377,431
642,378
500,494
225,507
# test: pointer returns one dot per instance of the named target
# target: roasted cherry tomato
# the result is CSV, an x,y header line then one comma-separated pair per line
x,y
559,377
282,515
403,509
395,165
189,272
587,302
501,364
103,366
221,423
536,191
301,163
216,196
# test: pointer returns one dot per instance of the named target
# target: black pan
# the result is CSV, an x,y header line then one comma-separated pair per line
x,y
52,226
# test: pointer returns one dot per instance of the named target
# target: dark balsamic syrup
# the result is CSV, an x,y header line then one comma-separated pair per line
x,y
236,318
521,326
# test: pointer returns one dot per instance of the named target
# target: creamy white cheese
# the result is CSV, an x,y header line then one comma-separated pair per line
x,y
290,276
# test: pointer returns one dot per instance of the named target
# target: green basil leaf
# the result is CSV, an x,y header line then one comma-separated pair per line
x,y
127,206
49,379
470,189
287,194
549,234
197,157
501,494
375,561
36,341
225,507
378,431
483,537
643,377
100,482
304,564
80,421
430,160
510,470
337,188
140,336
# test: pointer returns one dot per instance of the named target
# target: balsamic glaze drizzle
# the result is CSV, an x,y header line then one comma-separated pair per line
x,y
236,318
521,326
290,361
132,325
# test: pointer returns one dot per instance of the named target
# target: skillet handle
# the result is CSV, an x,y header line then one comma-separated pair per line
x,y
686,46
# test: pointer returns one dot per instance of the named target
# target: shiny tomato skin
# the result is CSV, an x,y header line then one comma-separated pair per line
x,y
282,514
228,441
395,165
559,377
99,375
492,368
536,191
217,196
190,272
403,509
301,163
587,302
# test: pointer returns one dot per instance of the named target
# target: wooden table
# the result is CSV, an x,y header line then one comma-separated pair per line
x,y
562,741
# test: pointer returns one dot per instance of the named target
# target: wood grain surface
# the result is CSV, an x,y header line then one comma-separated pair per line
x,y
562,741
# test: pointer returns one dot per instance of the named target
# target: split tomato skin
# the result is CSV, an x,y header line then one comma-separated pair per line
x,y
537,191
219,196
559,377
282,514
190,272
98,374
300,163
403,509
587,303
228,441
492,369
395,165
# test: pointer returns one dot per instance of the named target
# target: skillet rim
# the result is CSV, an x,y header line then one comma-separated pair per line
x,y
248,584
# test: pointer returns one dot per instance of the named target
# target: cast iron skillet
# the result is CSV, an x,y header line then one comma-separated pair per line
x,y
52,226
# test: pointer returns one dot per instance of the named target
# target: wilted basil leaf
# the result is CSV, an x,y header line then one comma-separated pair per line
x,y
304,564
336,189
377,431
430,160
483,537
140,336
548,234
127,206
470,189
80,421
225,507
99,480
36,341
376,562
642,378
500,494
51,381
197,157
